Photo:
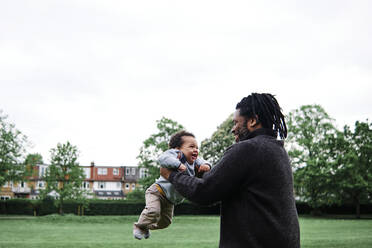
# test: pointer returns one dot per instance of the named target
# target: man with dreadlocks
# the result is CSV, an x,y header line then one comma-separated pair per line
x,y
253,180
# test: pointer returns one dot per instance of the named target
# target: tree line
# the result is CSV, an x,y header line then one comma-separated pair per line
x,y
63,176
330,166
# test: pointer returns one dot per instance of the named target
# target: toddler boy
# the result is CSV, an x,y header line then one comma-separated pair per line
x,y
162,196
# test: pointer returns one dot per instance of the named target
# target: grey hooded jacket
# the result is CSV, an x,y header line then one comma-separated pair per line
x,y
172,159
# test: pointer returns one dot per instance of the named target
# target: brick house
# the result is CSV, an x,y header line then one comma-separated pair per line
x,y
107,182
101,182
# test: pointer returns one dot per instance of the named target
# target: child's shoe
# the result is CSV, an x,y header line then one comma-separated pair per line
x,y
146,234
139,233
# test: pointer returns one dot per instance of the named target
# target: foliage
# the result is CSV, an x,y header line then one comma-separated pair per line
x,y
35,205
34,159
64,177
17,206
213,148
155,145
137,195
352,153
30,162
310,131
128,207
47,206
12,147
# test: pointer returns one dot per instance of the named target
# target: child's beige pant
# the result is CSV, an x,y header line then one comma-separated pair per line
x,y
158,212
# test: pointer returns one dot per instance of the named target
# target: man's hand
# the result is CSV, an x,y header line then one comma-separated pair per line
x,y
164,172
204,168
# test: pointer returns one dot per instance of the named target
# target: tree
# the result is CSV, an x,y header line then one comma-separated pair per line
x,y
155,145
213,148
136,195
352,152
309,136
12,148
64,176
30,162
34,159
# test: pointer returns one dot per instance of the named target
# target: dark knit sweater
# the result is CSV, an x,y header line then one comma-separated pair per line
x,y
253,181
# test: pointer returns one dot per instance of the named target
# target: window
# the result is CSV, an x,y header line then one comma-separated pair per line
x,y
143,173
41,184
133,171
116,171
127,171
133,186
8,184
22,184
85,185
118,185
42,171
102,171
5,197
101,185
127,186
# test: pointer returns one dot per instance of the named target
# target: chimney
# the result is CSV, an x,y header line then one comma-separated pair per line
x,y
92,170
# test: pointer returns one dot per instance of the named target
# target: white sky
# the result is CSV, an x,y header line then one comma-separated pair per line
x,y
100,73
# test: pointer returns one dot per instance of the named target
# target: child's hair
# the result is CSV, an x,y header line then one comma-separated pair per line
x,y
176,139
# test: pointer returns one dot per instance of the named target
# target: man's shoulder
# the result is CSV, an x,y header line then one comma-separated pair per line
x,y
242,146
254,143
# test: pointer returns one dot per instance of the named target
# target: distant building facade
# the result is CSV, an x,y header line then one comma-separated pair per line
x,y
101,182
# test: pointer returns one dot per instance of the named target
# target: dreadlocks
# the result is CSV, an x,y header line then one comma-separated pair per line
x,y
265,108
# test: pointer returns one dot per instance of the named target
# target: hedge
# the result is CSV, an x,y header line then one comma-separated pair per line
x,y
122,207
105,207
17,206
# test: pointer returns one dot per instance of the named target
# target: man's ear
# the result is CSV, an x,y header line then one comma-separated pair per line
x,y
252,123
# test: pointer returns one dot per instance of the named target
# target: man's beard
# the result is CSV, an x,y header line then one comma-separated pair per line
x,y
243,133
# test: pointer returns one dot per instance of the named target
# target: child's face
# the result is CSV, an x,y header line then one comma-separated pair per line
x,y
189,148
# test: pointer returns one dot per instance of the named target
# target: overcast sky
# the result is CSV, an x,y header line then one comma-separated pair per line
x,y
100,73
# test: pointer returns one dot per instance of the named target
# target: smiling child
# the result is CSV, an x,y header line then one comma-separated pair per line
x,y
161,196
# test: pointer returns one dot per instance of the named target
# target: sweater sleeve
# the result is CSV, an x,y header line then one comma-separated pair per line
x,y
200,161
169,159
222,181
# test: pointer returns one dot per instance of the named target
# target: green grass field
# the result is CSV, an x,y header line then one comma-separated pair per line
x,y
186,231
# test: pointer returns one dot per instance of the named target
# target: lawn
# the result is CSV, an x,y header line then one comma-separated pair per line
x,y
186,231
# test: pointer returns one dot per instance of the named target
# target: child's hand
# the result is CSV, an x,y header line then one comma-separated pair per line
x,y
204,168
182,167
